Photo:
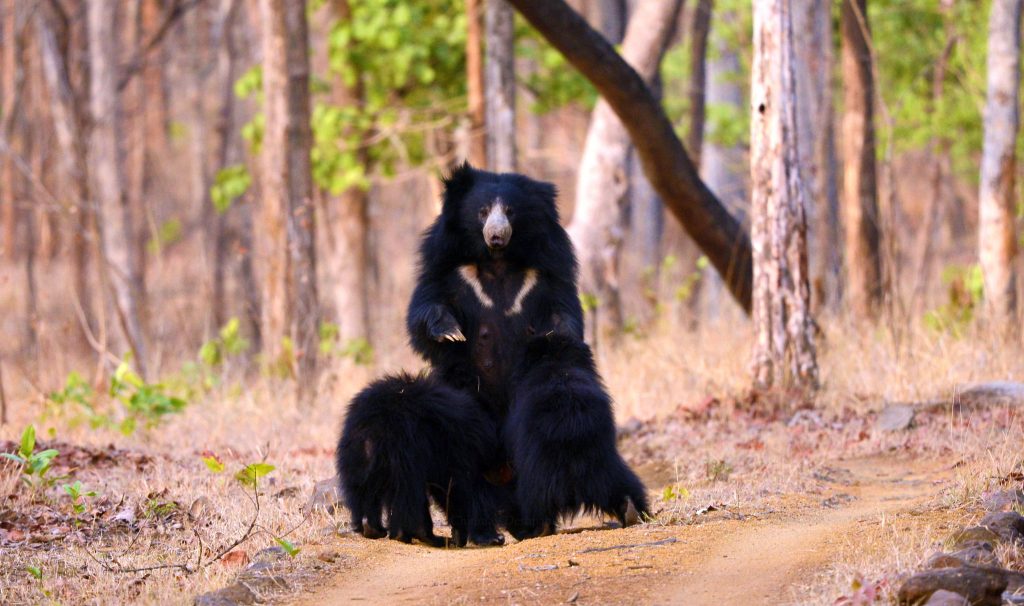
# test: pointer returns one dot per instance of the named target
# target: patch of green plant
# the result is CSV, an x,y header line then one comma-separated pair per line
x,y
685,290
143,402
230,183
251,474
674,492
288,546
589,301
213,463
34,465
966,289
155,508
228,343
168,233
78,495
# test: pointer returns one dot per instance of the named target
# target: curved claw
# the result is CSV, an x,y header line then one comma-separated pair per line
x,y
455,334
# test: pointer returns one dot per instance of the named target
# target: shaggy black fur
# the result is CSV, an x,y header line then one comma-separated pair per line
x,y
405,438
560,432
445,304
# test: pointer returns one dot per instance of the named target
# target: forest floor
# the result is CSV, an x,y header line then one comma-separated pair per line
x,y
835,502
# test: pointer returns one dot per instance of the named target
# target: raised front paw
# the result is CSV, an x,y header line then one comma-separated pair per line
x,y
441,326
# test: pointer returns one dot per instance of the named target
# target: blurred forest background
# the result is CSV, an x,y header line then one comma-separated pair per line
x,y
189,184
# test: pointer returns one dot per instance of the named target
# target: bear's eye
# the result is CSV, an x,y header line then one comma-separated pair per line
x,y
509,213
482,215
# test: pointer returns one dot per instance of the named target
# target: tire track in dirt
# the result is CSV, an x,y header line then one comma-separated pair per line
x,y
717,562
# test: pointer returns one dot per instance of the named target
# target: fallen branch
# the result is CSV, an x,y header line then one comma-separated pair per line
x,y
667,541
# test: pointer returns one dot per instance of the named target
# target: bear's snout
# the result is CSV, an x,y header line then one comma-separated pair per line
x,y
497,229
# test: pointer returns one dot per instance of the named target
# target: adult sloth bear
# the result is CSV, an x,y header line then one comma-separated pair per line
x,y
408,437
495,268
561,434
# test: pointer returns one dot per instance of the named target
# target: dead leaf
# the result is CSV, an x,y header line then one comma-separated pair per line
x,y
238,557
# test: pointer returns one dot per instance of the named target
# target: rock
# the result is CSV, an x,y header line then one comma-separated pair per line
x,y
1003,500
895,417
1009,525
269,554
199,508
981,586
994,393
328,556
943,560
947,598
971,536
326,496
979,554
229,596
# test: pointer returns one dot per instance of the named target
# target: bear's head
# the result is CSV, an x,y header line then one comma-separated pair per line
x,y
498,215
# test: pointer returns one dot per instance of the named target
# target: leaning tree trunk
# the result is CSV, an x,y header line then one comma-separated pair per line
x,y
997,236
665,161
784,353
289,257
860,189
113,216
599,219
500,86
475,84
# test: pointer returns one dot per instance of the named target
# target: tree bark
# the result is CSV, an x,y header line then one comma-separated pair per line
x,y
350,225
288,219
68,126
13,77
812,33
114,218
665,162
226,76
699,30
599,220
784,355
500,87
997,235
475,85
860,188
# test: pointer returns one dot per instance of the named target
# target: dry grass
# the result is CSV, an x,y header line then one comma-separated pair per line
x,y
728,457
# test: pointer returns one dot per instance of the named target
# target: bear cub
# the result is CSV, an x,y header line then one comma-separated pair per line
x,y
407,440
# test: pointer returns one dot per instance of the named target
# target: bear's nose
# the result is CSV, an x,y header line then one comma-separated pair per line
x,y
497,229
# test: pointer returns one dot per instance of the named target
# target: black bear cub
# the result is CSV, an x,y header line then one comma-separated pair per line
x,y
495,268
408,439
561,435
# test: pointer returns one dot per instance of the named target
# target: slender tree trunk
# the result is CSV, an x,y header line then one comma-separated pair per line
x,y
226,76
997,234
784,354
155,114
599,220
13,77
351,225
288,218
500,87
114,216
860,186
475,84
699,30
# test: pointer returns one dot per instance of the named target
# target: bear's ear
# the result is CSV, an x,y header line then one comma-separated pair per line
x,y
541,191
456,186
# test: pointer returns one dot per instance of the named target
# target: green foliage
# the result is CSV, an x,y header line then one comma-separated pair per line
x,y
288,546
35,571
358,350
685,290
169,232
674,492
966,290
76,389
213,463
147,402
552,81
250,83
251,474
34,465
589,301
230,183
228,343
76,493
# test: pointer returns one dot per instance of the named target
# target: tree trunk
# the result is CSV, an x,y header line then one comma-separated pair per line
x,y
288,219
812,32
155,114
350,225
114,218
475,85
13,77
67,124
226,76
599,220
663,157
997,235
500,87
860,189
699,30
784,355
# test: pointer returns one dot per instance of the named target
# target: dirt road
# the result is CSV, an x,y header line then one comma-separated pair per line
x,y
731,559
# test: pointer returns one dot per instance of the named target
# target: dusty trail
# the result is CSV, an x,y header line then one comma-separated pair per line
x,y
725,561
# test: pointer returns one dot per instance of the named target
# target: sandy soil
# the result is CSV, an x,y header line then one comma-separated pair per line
x,y
724,558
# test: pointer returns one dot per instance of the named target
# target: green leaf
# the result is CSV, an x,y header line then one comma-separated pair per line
x,y
288,546
13,457
251,473
28,441
36,572
213,464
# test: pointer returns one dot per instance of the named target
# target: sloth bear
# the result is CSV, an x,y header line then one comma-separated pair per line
x,y
495,268
408,439
560,432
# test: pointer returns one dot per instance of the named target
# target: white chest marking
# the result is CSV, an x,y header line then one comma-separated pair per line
x,y
529,282
469,276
